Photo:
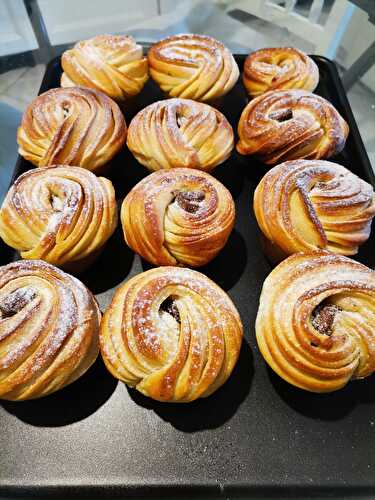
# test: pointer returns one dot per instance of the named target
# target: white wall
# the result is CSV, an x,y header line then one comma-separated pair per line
x,y
16,33
70,20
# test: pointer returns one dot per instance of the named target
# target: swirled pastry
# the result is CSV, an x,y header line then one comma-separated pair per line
x,y
179,216
304,205
316,321
193,66
281,68
172,334
113,64
71,126
290,124
60,214
49,326
180,133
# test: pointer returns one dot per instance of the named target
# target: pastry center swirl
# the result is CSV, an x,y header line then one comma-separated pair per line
x,y
169,306
323,318
281,115
189,200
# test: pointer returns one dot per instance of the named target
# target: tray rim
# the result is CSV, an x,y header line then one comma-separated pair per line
x,y
210,488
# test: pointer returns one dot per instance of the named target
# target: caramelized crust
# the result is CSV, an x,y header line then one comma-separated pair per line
x,y
113,64
71,126
179,216
316,321
282,68
49,325
172,334
193,67
291,124
304,205
180,133
59,214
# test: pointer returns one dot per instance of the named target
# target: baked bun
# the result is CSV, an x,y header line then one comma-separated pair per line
x,y
193,66
316,321
49,325
281,68
180,133
171,333
306,205
179,216
113,64
290,124
62,215
71,126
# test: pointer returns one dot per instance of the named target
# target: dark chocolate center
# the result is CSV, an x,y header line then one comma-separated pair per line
x,y
323,318
15,301
281,115
189,200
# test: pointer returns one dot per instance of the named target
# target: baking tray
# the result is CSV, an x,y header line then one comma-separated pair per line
x,y
257,436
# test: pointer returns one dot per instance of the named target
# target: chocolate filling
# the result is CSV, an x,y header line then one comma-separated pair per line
x,y
170,307
189,200
281,115
323,318
15,301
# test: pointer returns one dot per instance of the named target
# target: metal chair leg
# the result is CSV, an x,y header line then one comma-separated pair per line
x,y
359,67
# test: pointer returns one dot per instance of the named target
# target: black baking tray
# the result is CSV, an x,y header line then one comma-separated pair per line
x,y
256,437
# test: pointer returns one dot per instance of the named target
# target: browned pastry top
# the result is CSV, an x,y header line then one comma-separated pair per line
x,y
280,68
179,216
49,324
59,214
303,205
172,333
193,66
316,321
291,124
113,64
71,126
180,133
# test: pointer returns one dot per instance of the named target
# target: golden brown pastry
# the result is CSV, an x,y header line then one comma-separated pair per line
x,y
290,124
72,126
193,66
179,216
171,333
304,205
316,321
49,326
180,133
113,64
63,215
281,68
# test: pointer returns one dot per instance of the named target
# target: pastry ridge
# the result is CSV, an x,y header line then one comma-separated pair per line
x,y
49,326
193,67
113,64
316,321
60,214
290,124
71,126
279,68
180,133
179,216
174,353
304,205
